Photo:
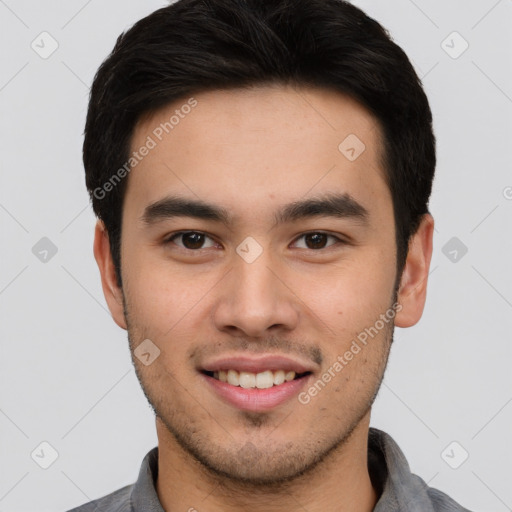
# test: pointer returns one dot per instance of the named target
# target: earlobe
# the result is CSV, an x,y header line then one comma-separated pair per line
x,y
111,290
413,284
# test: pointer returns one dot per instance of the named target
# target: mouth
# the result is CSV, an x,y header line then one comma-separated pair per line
x,y
249,380
256,385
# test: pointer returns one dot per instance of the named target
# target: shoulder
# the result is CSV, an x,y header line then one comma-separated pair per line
x,y
401,489
443,503
117,501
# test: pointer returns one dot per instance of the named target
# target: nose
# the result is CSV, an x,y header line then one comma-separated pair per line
x,y
256,299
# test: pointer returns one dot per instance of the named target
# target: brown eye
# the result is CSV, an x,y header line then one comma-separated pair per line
x,y
317,240
192,240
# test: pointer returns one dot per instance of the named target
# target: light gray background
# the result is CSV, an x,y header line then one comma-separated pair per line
x,y
65,372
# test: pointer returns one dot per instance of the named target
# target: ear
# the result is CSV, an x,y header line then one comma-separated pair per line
x,y
112,292
412,292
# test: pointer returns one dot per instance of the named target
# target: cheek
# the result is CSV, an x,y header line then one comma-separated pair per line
x,y
350,295
162,293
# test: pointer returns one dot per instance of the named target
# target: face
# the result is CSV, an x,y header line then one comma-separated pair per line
x,y
256,249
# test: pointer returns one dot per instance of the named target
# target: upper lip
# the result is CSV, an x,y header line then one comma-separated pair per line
x,y
257,364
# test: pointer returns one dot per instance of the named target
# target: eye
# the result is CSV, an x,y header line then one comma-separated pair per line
x,y
196,240
191,240
317,240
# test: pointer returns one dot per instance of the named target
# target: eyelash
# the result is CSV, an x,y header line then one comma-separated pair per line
x,y
172,237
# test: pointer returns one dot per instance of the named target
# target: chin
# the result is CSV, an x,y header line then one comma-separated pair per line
x,y
266,471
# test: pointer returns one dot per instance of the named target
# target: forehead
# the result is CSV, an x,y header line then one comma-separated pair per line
x,y
248,146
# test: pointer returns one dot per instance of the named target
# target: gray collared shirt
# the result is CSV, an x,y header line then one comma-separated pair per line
x,y
399,489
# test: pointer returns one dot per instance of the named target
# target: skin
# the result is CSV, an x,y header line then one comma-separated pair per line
x,y
252,151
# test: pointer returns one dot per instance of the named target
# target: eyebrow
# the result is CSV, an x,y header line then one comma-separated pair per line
x,y
329,205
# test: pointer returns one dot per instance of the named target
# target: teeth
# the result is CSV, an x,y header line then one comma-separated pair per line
x,y
279,377
248,380
289,376
233,378
264,380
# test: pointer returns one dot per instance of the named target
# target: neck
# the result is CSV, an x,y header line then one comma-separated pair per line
x,y
340,482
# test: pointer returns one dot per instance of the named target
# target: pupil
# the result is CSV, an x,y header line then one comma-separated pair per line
x,y
318,240
193,240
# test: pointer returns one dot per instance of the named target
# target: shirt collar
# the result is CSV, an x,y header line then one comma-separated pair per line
x,y
144,497
391,475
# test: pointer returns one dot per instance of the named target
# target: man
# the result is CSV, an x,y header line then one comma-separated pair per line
x,y
261,172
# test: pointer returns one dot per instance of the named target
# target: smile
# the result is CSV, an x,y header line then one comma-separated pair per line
x,y
262,380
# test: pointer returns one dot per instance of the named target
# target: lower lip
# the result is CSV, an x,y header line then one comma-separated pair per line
x,y
254,399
